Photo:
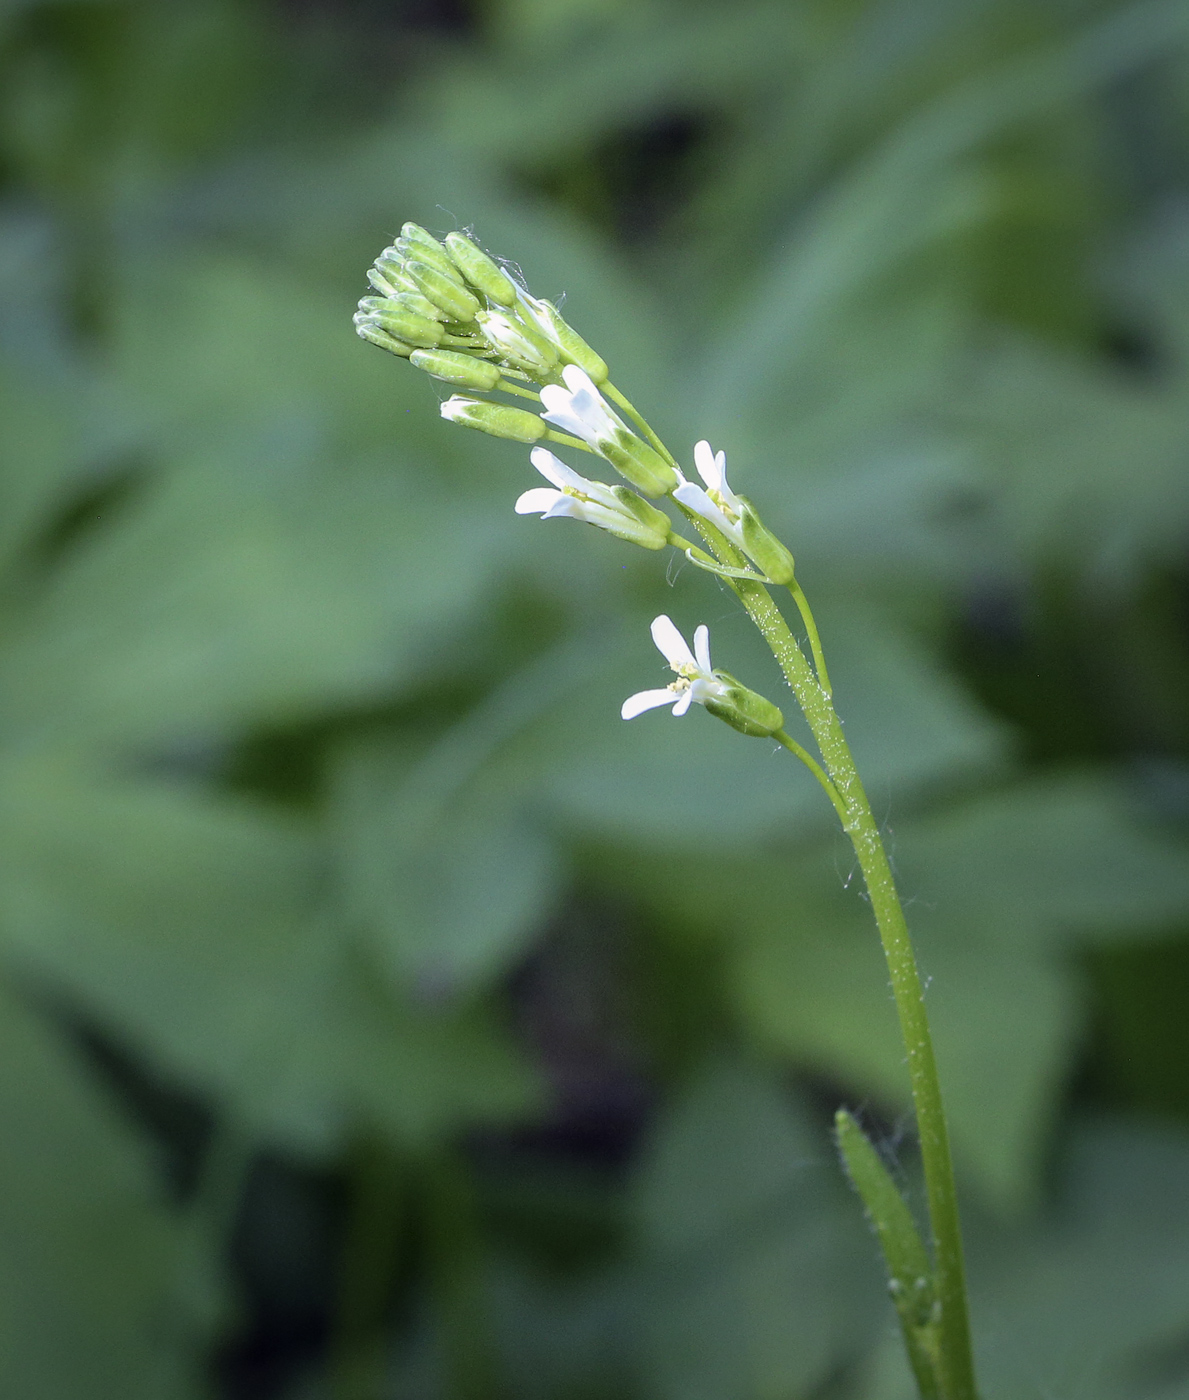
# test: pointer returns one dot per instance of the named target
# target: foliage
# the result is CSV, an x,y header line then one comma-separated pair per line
x,y
322,842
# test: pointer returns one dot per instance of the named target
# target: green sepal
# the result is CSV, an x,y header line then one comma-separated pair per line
x,y
762,546
744,709
480,270
910,1273
639,464
453,367
573,348
723,570
658,524
443,291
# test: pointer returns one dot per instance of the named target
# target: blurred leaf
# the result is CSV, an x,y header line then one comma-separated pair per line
x,y
89,1256
758,1270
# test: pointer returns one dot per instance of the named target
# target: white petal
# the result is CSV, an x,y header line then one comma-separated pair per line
x,y
671,644
554,469
540,500
702,649
645,700
706,688
701,504
683,704
710,467
567,507
579,382
560,411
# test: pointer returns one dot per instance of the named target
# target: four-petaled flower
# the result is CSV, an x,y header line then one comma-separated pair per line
x,y
610,508
717,504
696,682
580,409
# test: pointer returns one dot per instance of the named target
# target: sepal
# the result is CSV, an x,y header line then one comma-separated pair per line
x,y
762,547
497,419
744,709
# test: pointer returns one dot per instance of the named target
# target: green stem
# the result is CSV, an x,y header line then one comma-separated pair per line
x,y
638,418
815,645
567,441
956,1365
505,387
957,1369
816,769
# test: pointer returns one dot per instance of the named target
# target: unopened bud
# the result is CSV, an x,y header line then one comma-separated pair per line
x,y
574,350
443,291
420,305
763,548
480,270
744,710
435,257
500,420
456,368
522,345
399,321
638,463
367,331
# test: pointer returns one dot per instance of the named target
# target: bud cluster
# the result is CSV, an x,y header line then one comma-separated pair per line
x,y
454,312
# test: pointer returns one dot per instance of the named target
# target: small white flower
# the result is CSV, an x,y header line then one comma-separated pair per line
x,y
580,409
718,504
592,501
696,682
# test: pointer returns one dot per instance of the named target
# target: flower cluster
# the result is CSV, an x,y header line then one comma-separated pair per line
x,y
453,311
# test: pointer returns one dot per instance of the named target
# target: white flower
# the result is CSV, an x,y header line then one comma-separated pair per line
x,y
580,409
718,504
594,502
696,682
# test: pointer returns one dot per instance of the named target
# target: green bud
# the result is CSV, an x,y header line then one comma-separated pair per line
x,y
367,331
480,270
744,710
520,344
435,257
639,463
574,350
414,233
457,368
420,306
500,420
397,320
444,291
386,286
653,520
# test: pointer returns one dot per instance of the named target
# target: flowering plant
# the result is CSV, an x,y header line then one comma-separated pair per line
x,y
456,313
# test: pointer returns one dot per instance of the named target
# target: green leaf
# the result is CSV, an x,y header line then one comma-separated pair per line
x,y
755,1262
89,1254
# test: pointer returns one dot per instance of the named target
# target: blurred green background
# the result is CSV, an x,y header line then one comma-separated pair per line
x,y
382,1018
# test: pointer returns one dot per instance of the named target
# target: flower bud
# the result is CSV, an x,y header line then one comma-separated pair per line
x,y
574,350
522,345
638,463
367,331
480,270
435,257
456,368
762,547
399,321
500,420
743,709
420,306
443,291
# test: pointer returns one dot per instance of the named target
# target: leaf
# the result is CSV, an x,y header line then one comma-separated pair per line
x,y
89,1256
756,1265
